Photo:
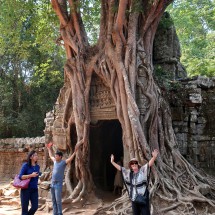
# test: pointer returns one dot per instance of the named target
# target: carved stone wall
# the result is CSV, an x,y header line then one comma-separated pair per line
x,y
101,102
193,116
14,151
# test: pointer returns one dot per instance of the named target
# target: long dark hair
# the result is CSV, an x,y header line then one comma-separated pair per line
x,y
29,156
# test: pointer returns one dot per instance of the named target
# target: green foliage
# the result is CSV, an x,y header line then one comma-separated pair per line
x,y
31,66
138,7
194,21
162,77
165,80
90,10
166,21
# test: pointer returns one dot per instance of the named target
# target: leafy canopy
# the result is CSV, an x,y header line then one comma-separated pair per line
x,y
31,66
194,21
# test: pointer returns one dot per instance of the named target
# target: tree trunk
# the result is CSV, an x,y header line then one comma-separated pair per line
x,y
122,58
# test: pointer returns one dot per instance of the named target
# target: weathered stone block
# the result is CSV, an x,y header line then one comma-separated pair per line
x,y
195,98
177,123
193,128
177,113
176,129
200,129
195,144
194,118
201,120
184,129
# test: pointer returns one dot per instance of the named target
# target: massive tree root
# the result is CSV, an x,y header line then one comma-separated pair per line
x,y
122,59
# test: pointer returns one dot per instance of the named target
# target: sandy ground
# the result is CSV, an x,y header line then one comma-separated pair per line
x,y
10,210
10,204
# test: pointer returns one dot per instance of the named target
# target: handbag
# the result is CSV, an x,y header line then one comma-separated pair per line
x,y
23,184
142,199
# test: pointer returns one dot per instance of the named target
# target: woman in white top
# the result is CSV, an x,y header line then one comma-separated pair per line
x,y
138,184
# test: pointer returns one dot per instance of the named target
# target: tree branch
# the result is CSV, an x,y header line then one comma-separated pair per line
x,y
154,12
121,15
62,16
81,34
120,19
68,39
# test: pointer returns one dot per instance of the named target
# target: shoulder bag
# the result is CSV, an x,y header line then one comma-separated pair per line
x,y
23,184
142,199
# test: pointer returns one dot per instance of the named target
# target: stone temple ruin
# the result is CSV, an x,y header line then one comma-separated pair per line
x,y
192,102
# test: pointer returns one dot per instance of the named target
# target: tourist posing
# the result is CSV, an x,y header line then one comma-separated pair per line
x,y
57,177
136,181
31,170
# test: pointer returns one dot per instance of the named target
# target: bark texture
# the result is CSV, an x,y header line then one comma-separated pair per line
x,y
122,53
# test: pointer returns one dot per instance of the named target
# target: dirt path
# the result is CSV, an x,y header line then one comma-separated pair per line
x,y
10,203
12,207
10,210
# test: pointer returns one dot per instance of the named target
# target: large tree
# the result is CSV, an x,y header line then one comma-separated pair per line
x,y
121,57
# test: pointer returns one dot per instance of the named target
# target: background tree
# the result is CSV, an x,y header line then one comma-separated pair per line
x,y
30,64
196,30
123,54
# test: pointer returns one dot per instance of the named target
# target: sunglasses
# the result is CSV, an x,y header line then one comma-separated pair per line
x,y
132,163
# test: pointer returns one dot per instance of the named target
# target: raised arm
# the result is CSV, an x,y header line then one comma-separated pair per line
x,y
69,159
117,166
154,156
49,147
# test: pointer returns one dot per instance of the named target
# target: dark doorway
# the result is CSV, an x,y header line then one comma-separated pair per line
x,y
105,139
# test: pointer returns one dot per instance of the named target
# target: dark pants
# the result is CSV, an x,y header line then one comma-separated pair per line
x,y
27,195
140,209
